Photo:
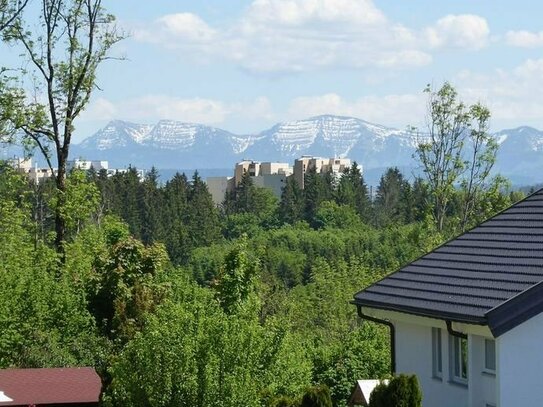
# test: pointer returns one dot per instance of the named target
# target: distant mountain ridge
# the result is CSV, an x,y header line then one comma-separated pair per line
x,y
172,144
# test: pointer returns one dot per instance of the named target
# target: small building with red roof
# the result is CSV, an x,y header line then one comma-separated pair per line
x,y
52,387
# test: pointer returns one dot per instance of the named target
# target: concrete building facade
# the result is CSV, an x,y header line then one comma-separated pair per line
x,y
336,166
274,175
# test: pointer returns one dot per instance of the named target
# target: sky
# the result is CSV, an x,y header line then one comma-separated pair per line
x,y
246,65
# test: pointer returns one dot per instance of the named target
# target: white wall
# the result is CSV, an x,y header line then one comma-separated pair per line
x,y
482,384
520,365
217,187
414,355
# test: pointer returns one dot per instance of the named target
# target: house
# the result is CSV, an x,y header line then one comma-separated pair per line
x,y
58,387
360,396
466,318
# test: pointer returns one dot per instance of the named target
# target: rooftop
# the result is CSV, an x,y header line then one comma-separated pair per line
x,y
49,386
491,275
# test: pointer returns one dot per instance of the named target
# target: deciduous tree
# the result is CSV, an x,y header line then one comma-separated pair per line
x,y
64,47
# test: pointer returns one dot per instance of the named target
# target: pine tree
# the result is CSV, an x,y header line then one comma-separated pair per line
x,y
202,217
291,207
389,202
317,188
150,205
174,218
353,191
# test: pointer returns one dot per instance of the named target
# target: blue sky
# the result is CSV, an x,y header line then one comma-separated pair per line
x,y
245,65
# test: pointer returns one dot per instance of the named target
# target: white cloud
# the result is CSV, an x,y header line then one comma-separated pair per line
x,y
392,110
299,12
277,36
465,31
513,96
524,39
151,108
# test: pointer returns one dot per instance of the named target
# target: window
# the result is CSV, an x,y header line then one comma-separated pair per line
x,y
459,359
490,355
437,360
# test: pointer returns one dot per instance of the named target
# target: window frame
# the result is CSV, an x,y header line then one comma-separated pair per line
x,y
486,368
437,354
458,347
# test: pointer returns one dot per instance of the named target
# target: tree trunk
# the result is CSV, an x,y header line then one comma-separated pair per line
x,y
60,219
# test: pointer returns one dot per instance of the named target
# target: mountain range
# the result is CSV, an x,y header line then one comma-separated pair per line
x,y
177,145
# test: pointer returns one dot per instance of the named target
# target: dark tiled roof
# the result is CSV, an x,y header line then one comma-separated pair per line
x,y
491,275
50,386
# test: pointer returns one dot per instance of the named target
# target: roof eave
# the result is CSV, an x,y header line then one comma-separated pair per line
x,y
421,312
516,310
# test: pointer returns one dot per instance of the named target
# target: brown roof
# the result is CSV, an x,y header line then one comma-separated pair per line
x,y
50,386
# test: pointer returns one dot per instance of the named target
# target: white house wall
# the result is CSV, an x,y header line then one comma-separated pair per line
x,y
414,355
520,363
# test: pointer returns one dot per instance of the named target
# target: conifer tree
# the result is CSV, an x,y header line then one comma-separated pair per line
x,y
174,218
389,203
202,215
291,207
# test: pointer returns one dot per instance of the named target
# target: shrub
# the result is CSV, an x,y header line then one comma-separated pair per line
x,y
401,391
318,396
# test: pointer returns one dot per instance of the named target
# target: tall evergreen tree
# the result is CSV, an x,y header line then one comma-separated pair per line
x,y
174,218
202,215
317,188
150,205
353,191
389,202
291,207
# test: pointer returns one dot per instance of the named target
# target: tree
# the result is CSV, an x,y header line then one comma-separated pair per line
x,y
291,207
202,214
9,11
65,49
441,151
236,280
316,189
390,205
483,156
401,391
318,396
353,191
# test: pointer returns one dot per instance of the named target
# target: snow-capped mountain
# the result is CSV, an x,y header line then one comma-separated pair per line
x,y
171,144
168,144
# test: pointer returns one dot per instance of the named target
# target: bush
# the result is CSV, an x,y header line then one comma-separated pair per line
x,y
402,391
284,401
318,396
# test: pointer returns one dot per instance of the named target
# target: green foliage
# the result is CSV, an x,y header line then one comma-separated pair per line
x,y
457,150
331,215
401,391
393,200
43,318
81,203
236,279
126,286
318,396
189,354
291,207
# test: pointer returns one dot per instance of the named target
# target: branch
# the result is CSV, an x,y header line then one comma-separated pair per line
x,y
42,148
16,14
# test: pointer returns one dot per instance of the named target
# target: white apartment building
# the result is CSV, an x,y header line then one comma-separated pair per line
x,y
322,165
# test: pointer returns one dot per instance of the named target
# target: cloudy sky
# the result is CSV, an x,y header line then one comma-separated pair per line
x,y
244,65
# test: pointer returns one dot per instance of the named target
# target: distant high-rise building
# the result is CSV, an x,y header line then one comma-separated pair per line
x,y
336,166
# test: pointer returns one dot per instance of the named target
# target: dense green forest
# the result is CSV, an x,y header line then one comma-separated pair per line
x,y
178,302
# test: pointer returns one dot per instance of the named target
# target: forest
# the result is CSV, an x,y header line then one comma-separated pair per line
x,y
178,302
